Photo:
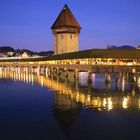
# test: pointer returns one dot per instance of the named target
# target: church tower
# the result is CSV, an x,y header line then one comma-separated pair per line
x,y
66,31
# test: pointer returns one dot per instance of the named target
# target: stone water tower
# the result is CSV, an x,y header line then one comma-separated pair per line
x,y
66,30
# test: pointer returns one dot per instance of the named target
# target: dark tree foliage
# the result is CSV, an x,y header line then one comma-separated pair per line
x,y
6,49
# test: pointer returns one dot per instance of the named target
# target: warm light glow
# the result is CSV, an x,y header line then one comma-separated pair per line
x,y
125,103
42,81
110,105
138,82
104,102
139,103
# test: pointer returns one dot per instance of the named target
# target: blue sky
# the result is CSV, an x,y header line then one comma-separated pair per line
x,y
26,23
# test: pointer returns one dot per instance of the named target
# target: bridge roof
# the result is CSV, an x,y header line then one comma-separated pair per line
x,y
65,19
100,53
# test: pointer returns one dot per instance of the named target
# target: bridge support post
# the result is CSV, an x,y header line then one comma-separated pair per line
x,y
138,81
117,76
24,69
0,72
27,70
8,68
18,69
131,77
134,79
76,74
49,71
57,71
32,70
38,70
107,78
41,70
66,72
46,72
108,81
133,70
89,77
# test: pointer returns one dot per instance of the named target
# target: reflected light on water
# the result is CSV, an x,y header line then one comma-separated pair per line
x,y
110,105
41,81
87,97
104,102
139,102
138,82
125,103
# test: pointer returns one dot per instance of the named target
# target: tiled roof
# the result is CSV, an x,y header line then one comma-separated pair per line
x,y
65,19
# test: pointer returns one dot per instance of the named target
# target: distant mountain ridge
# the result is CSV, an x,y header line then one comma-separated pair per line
x,y
121,47
6,49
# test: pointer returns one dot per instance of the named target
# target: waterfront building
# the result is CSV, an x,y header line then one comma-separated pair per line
x,y
10,53
66,30
25,55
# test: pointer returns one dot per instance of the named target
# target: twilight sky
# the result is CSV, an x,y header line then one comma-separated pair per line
x,y
26,23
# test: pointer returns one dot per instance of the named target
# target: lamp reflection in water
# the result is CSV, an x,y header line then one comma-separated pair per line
x,y
104,102
125,102
138,82
110,105
139,102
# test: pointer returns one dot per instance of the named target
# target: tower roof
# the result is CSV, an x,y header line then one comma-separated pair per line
x,y
65,19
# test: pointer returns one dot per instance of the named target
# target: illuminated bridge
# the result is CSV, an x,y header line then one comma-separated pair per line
x,y
105,61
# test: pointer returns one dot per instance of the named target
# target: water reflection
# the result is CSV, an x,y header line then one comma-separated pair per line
x,y
120,95
66,112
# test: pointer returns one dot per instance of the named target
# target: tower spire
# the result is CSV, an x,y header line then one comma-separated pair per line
x,y
66,18
65,6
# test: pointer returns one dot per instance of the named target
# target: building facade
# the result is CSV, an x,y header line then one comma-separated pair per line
x,y
66,30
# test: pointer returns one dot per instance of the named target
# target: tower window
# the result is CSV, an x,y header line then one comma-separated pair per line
x,y
61,36
71,36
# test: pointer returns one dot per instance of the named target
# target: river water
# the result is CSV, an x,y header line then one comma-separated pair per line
x,y
57,108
